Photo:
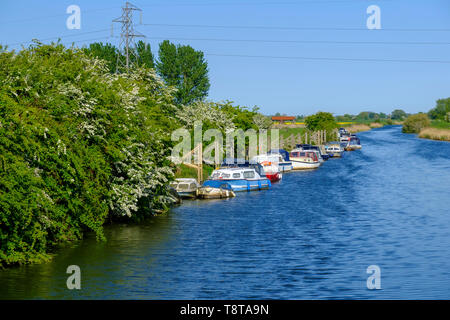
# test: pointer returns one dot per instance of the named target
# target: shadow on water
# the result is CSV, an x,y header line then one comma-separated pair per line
x,y
312,235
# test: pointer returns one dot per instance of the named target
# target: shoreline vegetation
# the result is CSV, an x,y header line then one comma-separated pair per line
x,y
434,125
83,144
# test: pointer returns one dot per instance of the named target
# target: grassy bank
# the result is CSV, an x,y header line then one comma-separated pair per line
x,y
184,171
435,134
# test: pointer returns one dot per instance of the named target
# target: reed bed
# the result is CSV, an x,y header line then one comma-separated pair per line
x,y
375,125
435,134
358,128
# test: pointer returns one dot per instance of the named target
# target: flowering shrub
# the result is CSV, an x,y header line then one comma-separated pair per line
x,y
77,144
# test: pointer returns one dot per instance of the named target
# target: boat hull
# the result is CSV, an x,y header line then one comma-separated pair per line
x,y
302,165
214,193
274,176
285,166
248,185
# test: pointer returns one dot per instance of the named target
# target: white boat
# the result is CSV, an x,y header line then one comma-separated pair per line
x,y
242,178
304,159
334,149
270,164
215,189
185,187
275,157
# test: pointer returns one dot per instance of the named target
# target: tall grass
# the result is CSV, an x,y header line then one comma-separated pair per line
x,y
358,128
435,134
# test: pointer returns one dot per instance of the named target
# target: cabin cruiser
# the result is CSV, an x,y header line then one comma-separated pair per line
x,y
334,149
271,165
185,187
242,176
304,159
353,144
283,159
215,189
323,156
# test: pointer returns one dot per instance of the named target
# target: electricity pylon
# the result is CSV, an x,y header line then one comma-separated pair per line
x,y
127,46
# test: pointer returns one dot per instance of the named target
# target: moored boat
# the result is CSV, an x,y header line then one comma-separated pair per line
x,y
215,189
304,159
334,149
242,177
185,187
323,156
284,163
353,144
272,171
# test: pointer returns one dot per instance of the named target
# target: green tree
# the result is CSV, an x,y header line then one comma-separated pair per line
x,y
141,56
145,55
398,114
441,110
321,121
107,52
184,68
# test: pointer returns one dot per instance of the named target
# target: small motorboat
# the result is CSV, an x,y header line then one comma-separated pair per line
x,y
334,149
323,156
304,159
242,176
284,164
353,144
272,171
215,189
185,187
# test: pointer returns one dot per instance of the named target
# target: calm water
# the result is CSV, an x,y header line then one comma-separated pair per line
x,y
312,236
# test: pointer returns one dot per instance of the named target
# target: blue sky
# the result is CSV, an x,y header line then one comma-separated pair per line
x,y
291,86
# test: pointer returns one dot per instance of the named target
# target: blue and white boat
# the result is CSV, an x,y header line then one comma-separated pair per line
x,y
284,163
242,177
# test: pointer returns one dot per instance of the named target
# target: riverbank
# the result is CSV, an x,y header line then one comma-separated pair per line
x,y
435,134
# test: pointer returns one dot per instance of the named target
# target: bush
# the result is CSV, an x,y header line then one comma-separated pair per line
x,y
77,144
415,122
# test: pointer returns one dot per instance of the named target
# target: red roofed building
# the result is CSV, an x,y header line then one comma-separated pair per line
x,y
282,119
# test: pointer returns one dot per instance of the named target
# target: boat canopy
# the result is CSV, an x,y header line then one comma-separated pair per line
x,y
283,153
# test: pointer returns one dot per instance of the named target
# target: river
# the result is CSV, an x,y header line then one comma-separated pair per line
x,y
312,236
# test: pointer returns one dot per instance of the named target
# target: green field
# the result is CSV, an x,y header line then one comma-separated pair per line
x,y
440,124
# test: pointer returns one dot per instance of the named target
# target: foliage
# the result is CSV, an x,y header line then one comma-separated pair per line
x,y
441,110
415,122
141,56
77,144
262,122
321,121
398,114
185,69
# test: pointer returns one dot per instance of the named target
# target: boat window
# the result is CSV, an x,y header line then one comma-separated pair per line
x,y
225,175
193,186
183,186
216,175
249,174
236,175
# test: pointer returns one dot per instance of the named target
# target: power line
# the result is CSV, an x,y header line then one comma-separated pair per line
x,y
305,41
291,28
59,37
53,16
328,58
